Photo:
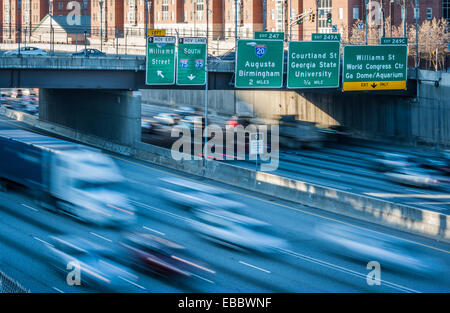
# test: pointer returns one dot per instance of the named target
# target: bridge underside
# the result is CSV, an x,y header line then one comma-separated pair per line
x,y
111,114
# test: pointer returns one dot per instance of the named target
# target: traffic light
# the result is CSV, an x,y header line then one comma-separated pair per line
x,y
329,18
313,18
299,21
310,17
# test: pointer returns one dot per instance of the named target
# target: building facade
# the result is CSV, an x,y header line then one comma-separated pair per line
x,y
120,18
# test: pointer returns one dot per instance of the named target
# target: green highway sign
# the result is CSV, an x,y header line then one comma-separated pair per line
x,y
327,37
259,63
160,65
313,64
394,41
191,62
269,35
382,67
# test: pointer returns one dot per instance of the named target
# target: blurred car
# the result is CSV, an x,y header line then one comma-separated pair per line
x,y
363,245
184,111
3,99
161,256
89,52
336,133
16,93
237,231
146,126
212,57
96,264
189,194
386,161
237,120
30,107
192,122
27,51
295,134
438,163
414,176
167,118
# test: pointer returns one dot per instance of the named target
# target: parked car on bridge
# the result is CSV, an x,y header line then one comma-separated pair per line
x,y
27,51
90,52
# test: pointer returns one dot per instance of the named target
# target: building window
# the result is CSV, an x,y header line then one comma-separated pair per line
x,y
446,10
356,13
429,13
165,10
341,13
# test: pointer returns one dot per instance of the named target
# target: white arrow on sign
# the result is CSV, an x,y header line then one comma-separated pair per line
x,y
160,74
191,77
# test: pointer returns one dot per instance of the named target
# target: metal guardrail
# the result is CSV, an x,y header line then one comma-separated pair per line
x,y
9,285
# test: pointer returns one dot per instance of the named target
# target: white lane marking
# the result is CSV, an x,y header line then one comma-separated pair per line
x,y
29,207
198,276
431,203
255,267
346,270
399,195
99,236
43,241
334,186
329,173
155,231
133,283
146,206
60,291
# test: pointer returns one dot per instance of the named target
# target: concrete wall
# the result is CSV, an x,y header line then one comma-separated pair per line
x,y
383,117
113,115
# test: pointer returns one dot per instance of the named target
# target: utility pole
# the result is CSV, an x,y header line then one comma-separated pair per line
x,y
235,23
290,17
101,24
265,15
146,19
404,18
417,16
317,15
390,16
367,22
85,2
19,26
384,18
205,135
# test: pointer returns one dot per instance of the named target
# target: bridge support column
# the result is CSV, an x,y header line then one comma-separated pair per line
x,y
111,114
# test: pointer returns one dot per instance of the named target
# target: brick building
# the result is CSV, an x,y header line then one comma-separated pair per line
x,y
107,18
188,17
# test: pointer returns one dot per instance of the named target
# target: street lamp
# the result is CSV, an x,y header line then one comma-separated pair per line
x,y
20,22
85,2
148,7
50,13
101,24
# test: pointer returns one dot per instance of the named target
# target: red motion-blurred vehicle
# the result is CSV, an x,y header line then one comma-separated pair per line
x,y
152,253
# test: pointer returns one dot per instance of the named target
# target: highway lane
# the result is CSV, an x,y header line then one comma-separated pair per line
x,y
305,267
342,166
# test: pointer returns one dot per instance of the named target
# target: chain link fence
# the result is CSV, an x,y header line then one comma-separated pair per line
x,y
9,285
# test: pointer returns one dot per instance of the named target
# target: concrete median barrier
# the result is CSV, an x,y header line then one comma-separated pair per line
x,y
403,217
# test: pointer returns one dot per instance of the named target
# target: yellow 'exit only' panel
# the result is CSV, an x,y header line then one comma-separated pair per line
x,y
388,85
